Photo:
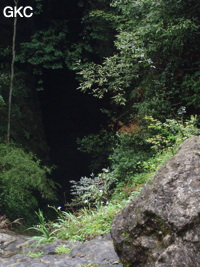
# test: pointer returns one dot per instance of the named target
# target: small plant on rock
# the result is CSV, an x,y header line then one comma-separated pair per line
x,y
62,249
44,233
35,254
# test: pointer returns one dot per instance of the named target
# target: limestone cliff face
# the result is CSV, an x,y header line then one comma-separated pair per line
x,y
161,228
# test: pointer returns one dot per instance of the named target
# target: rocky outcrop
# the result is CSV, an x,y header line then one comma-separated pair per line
x,y
10,243
17,251
161,228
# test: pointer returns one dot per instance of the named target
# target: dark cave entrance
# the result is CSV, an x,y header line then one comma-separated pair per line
x,y
67,114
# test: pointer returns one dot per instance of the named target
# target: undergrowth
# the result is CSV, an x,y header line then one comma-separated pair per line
x,y
87,222
98,199
82,225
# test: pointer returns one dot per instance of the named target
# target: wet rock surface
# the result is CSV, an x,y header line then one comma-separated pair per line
x,y
96,252
161,228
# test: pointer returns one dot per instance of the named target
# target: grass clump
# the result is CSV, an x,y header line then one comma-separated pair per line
x,y
42,229
87,223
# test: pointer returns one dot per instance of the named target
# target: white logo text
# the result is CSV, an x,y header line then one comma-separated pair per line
x,y
10,12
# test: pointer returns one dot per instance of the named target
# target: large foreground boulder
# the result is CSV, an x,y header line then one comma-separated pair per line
x,y
161,228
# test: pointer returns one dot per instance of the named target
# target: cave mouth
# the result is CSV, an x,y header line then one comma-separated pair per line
x,y
67,114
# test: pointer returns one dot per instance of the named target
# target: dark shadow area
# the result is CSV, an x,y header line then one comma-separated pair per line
x,y
67,115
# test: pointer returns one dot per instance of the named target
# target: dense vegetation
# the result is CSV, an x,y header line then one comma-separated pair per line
x,y
141,58
99,201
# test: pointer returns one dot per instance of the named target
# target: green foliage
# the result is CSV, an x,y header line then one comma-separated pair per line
x,y
87,223
99,21
191,85
129,155
171,132
38,7
62,249
26,125
133,154
83,225
99,146
22,180
154,66
114,76
94,190
35,254
46,48
136,153
42,229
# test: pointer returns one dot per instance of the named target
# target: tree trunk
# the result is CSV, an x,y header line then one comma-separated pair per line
x,y
12,76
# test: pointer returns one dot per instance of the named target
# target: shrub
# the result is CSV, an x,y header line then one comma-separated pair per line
x,y
170,133
22,180
135,153
93,190
98,146
129,155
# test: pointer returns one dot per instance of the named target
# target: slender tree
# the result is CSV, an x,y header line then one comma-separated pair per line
x,y
12,75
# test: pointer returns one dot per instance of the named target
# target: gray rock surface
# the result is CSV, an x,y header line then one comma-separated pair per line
x,y
96,252
161,228
10,243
